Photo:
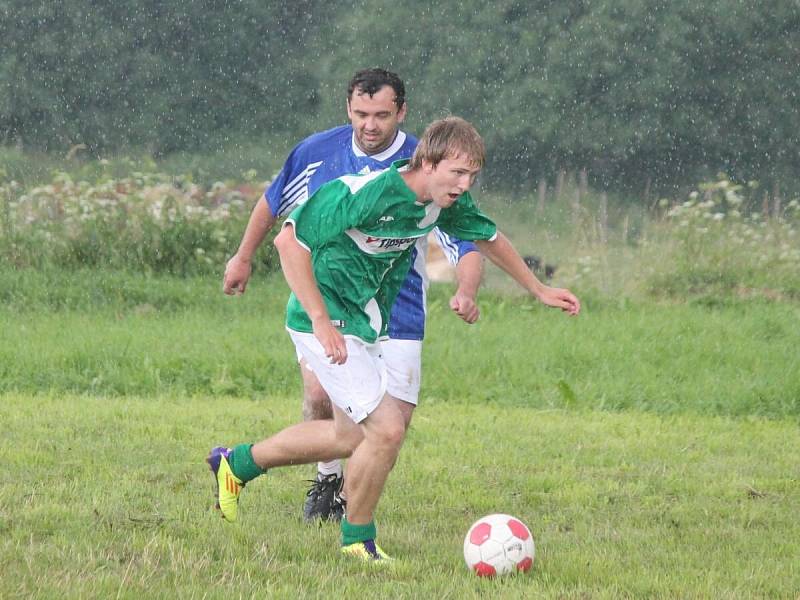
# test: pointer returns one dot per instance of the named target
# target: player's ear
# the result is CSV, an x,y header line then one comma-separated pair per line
x,y
401,113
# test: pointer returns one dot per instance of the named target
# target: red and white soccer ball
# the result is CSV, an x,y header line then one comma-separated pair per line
x,y
498,544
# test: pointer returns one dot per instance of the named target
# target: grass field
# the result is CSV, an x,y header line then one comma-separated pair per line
x,y
110,498
652,447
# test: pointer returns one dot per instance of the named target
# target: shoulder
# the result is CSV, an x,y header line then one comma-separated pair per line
x,y
367,194
410,141
324,142
364,184
324,138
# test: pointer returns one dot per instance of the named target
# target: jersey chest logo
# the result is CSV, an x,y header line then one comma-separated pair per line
x,y
378,245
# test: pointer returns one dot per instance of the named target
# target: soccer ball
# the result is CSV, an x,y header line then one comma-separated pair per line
x,y
498,544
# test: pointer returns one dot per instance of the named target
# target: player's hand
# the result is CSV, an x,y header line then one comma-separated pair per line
x,y
332,341
561,298
465,307
237,274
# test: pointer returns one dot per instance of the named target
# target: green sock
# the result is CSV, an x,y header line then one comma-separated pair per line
x,y
242,463
357,533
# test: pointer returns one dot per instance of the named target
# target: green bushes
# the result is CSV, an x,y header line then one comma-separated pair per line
x,y
710,246
146,221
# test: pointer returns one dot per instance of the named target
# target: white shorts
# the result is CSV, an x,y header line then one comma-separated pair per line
x,y
357,386
403,360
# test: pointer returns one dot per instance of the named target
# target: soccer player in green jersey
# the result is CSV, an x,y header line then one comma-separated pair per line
x,y
344,254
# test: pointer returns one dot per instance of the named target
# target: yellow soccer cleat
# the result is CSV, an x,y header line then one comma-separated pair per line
x,y
367,551
227,484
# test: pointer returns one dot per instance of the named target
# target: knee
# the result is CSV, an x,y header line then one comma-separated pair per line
x,y
391,435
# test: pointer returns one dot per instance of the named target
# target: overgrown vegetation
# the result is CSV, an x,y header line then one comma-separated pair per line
x,y
723,240
145,221
718,244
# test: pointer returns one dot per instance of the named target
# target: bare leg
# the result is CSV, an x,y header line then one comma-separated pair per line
x,y
406,408
370,463
309,441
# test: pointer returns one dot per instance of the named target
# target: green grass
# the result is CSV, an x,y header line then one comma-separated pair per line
x,y
106,497
115,334
651,447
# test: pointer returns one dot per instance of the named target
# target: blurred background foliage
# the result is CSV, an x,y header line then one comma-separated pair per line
x,y
636,94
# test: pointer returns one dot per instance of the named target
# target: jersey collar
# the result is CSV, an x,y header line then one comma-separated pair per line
x,y
393,148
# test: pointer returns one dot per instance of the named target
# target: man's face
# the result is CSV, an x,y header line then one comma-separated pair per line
x,y
375,119
449,179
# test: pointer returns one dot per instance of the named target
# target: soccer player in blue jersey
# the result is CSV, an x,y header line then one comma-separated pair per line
x,y
344,254
376,107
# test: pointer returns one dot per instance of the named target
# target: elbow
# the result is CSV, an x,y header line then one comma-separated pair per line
x,y
283,239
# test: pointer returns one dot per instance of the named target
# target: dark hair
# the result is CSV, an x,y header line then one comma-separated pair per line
x,y
370,81
448,138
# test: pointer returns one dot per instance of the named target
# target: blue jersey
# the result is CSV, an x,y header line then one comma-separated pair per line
x,y
328,155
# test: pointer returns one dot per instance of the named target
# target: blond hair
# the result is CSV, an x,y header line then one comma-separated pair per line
x,y
448,138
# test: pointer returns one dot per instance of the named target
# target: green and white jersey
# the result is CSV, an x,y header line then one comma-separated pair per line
x,y
360,230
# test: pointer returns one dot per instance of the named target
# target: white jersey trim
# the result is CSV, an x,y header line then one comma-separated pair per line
x,y
356,182
432,211
449,247
296,191
294,233
393,149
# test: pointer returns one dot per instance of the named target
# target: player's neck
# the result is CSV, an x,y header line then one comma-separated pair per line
x,y
416,181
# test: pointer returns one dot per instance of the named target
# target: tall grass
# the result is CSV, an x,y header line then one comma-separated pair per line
x,y
716,245
713,245
146,221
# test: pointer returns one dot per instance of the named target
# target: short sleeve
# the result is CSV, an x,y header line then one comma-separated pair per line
x,y
290,186
465,221
454,249
330,211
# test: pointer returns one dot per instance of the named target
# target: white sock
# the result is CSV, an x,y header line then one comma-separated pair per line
x,y
330,468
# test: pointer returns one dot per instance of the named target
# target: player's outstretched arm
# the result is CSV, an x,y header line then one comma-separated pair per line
x,y
502,253
239,267
299,274
469,271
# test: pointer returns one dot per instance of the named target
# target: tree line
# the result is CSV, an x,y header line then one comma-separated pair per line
x,y
623,90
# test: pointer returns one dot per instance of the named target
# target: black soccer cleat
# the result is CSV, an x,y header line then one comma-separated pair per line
x,y
323,500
